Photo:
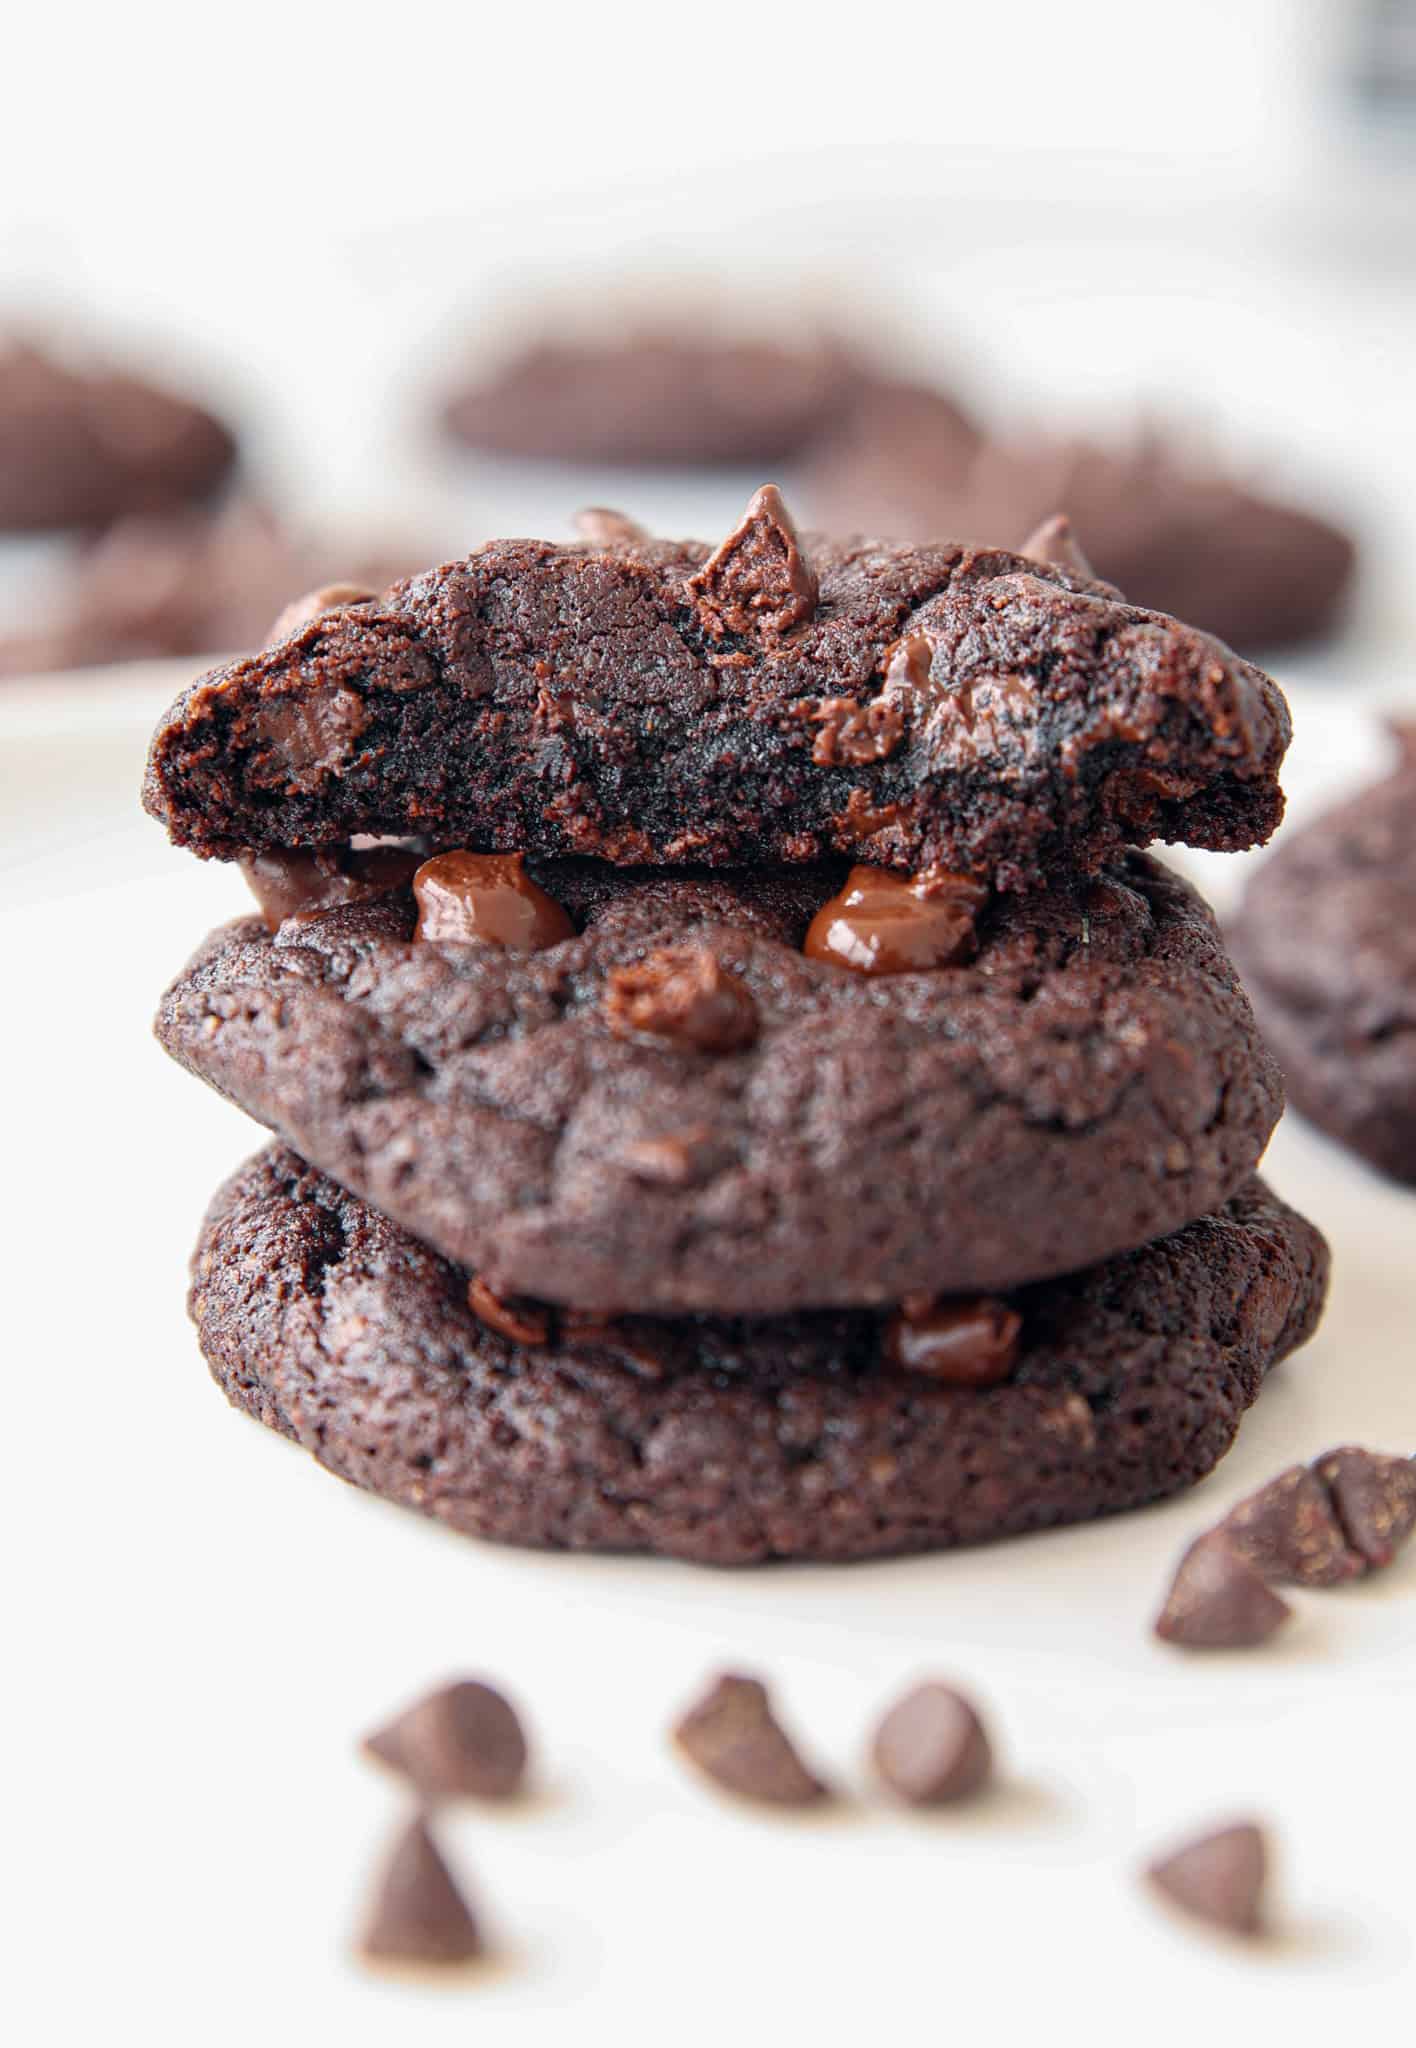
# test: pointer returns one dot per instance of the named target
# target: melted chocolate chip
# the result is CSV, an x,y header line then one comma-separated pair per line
x,y
520,1322
932,1748
419,1915
733,1737
1054,542
907,663
685,995
287,884
883,923
303,611
486,899
854,733
1217,1601
463,1741
605,528
758,584
312,733
959,1343
1219,1878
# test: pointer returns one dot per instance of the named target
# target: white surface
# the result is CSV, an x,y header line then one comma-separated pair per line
x,y
208,1622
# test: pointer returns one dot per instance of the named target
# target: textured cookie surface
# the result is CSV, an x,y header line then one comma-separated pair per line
x,y
645,703
732,1442
79,449
655,397
1326,937
1184,538
1091,1080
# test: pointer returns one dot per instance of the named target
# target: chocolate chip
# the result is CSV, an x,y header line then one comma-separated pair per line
x,y
520,1322
486,899
932,1748
1289,1532
312,733
1219,1878
883,923
682,994
606,529
289,884
733,1737
1054,542
1375,1500
1217,1600
303,611
961,1343
852,733
583,1330
463,1741
419,1915
758,584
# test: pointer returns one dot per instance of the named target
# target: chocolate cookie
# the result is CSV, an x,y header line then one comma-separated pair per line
x,y
79,448
1326,937
190,584
733,1442
656,396
676,1109
772,701
1176,536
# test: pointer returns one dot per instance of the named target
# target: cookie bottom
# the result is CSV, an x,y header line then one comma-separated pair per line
x,y
733,1441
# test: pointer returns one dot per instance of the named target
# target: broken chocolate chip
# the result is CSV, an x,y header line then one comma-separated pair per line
x,y
1375,1500
1217,1601
851,733
883,923
1055,543
605,528
303,611
463,1741
520,1322
1289,1532
311,734
960,1343
932,1749
290,884
734,1738
419,1915
685,995
486,899
758,584
1219,1878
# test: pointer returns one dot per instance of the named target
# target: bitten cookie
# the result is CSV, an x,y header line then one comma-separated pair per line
x,y
1326,938
649,1096
734,1442
79,448
773,700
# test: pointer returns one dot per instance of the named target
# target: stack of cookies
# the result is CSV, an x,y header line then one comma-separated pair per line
x,y
740,1090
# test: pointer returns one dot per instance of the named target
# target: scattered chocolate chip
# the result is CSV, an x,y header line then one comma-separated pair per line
x,y
681,1160
758,584
419,1915
683,994
463,1741
962,1343
605,528
1288,1532
1219,1878
734,1738
303,611
1217,1601
486,899
1055,542
1375,1500
932,1749
883,923
520,1322
289,884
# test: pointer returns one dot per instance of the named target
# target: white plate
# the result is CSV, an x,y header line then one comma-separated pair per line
x,y
208,1622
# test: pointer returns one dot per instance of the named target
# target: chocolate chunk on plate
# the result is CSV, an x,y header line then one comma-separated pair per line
x,y
932,1749
1218,1601
1374,1498
462,1741
1289,1532
419,1915
1219,1878
778,698
734,1738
